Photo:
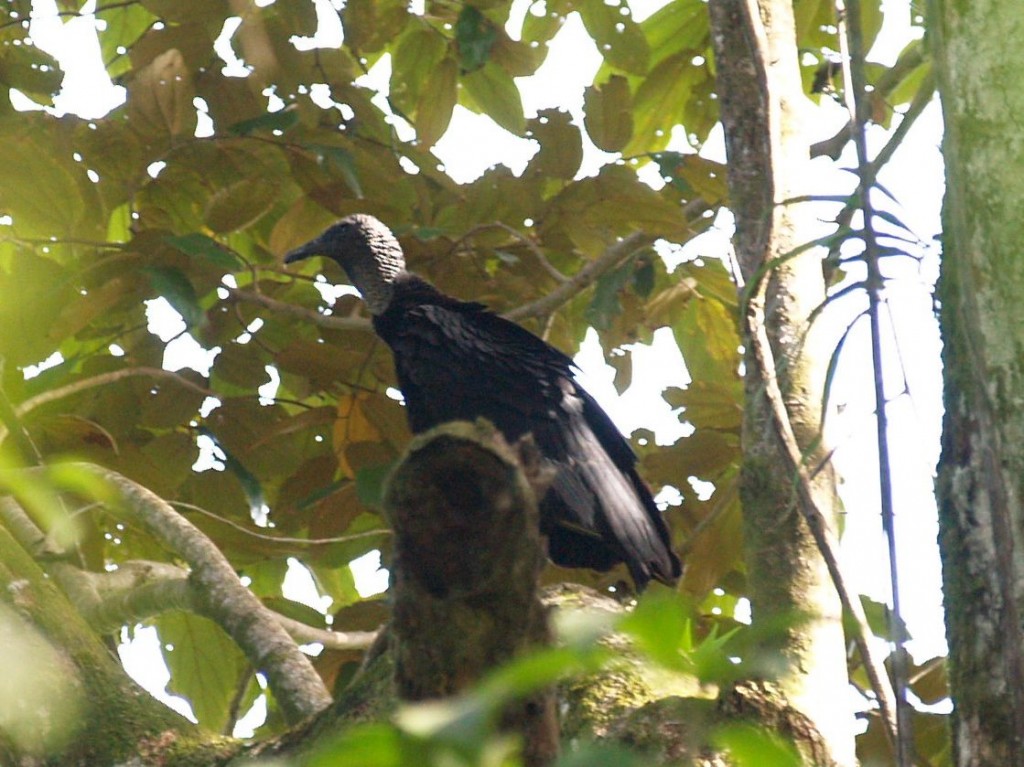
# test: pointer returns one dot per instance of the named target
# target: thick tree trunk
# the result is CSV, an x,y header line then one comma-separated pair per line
x,y
981,470
761,106
64,700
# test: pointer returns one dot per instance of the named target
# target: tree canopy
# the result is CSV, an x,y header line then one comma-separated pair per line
x,y
193,189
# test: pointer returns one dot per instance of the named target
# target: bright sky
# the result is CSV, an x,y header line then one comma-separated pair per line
x,y
474,143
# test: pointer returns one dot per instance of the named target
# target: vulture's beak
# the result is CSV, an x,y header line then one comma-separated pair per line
x,y
311,248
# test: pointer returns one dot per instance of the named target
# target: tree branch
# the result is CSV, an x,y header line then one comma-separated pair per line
x,y
219,595
139,589
283,307
102,380
584,278
548,267
833,147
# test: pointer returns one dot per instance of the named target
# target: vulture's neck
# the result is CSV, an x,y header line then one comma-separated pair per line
x,y
374,273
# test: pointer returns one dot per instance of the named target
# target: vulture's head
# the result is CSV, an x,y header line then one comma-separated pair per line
x,y
368,252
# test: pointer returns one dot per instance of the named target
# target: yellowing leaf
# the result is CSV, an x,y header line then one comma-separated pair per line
x,y
436,102
561,145
371,24
415,57
660,101
619,39
608,113
240,204
493,92
352,427
160,97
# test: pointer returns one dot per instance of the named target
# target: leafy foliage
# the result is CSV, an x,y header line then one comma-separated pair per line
x,y
192,189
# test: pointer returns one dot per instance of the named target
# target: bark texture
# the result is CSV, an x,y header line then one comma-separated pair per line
x,y
64,700
981,469
762,107
468,556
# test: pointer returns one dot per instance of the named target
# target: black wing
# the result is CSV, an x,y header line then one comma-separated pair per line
x,y
455,360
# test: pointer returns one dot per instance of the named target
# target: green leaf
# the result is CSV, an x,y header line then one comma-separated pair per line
x,y
173,285
206,666
282,120
206,248
160,98
416,55
31,70
751,746
238,205
436,103
41,186
494,92
370,483
604,305
542,21
339,161
608,113
619,39
370,25
474,38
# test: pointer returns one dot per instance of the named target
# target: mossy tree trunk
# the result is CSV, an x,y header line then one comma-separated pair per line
x,y
981,469
762,107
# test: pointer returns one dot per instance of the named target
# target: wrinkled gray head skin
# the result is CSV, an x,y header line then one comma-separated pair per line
x,y
368,252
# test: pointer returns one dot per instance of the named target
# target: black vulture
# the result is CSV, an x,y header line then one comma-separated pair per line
x,y
456,360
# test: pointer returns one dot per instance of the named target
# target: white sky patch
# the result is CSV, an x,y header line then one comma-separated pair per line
x,y
246,726
639,406
31,371
268,391
369,576
329,32
73,42
210,455
142,659
299,586
233,66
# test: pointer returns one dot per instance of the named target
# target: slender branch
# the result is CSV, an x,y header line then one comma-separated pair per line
x,y
893,76
138,590
282,539
221,596
102,380
282,307
548,267
584,278
817,520
857,92
331,640
872,169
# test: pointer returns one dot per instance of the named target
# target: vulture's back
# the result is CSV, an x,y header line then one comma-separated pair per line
x,y
457,361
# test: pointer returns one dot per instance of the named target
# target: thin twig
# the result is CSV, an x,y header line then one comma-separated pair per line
x,y
530,245
102,380
589,274
281,539
893,76
282,307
